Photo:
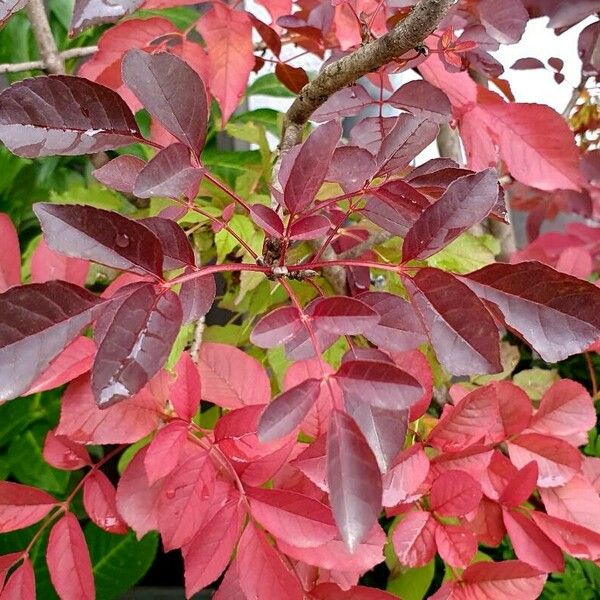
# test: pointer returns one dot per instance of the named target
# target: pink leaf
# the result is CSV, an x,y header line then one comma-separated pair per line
x,y
423,100
486,523
354,481
343,315
21,506
120,173
514,408
7,561
47,265
185,391
531,545
408,472
69,561
276,327
557,460
209,552
228,36
231,378
62,453
100,503
165,449
21,585
346,102
455,493
505,21
264,574
413,539
456,544
10,265
330,591
520,486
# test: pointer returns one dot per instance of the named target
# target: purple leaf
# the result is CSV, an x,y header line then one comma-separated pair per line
x,y
37,322
370,132
310,166
557,314
267,219
310,228
504,20
44,116
351,167
354,480
378,383
466,202
343,315
287,410
100,235
347,102
169,174
197,296
9,8
94,12
171,91
277,327
177,250
422,100
528,63
399,328
120,173
136,344
460,328
300,345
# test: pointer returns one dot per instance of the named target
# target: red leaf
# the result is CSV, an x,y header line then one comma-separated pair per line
x,y
276,327
120,173
165,449
514,408
185,391
103,236
423,100
380,384
69,561
100,503
21,506
44,116
520,486
208,554
47,265
21,585
231,378
354,480
10,264
296,519
265,575
456,544
82,421
136,344
409,471
75,360
531,545
268,34
61,453
455,493
169,174
294,78
36,322
310,167
557,314
557,460
413,539
230,586
171,91
310,228
267,219
486,523
460,328
285,412
466,202
228,36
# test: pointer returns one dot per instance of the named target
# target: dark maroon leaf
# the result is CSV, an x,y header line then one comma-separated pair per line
x,y
460,328
354,480
310,228
294,78
197,296
177,250
268,34
36,322
136,344
44,116
380,384
466,202
556,63
9,7
557,314
351,167
588,47
523,64
102,236
310,166
300,346
384,430
345,103
287,410
94,12
277,327
399,328
422,100
169,174
171,91
343,315
267,219
120,173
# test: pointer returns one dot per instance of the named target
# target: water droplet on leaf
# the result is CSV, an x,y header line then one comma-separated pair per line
x,y
122,240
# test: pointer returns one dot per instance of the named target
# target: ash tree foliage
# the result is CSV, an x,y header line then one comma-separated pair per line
x,y
359,403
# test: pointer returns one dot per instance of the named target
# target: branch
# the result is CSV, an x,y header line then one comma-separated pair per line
x,y
43,35
41,65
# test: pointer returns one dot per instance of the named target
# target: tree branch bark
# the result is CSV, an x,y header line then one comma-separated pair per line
x,y
51,58
41,65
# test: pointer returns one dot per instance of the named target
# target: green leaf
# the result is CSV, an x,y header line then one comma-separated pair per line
x,y
535,382
269,85
28,465
413,584
181,16
16,415
466,253
118,561
130,452
269,118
